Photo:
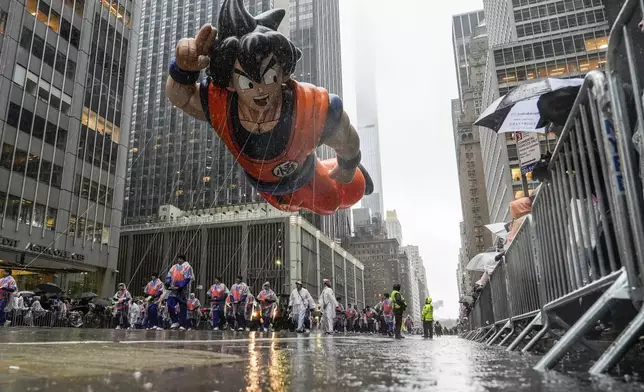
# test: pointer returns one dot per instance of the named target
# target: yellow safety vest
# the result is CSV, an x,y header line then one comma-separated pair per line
x,y
393,299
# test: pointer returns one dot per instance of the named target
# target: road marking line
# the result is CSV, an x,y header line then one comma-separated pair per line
x,y
58,342
200,341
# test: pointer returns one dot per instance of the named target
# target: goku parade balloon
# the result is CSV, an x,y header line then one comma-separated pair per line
x,y
269,122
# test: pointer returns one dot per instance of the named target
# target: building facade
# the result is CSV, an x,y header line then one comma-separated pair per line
x,y
418,280
256,241
381,265
65,115
394,228
531,40
469,39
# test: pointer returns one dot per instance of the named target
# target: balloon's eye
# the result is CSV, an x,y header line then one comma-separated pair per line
x,y
245,83
270,76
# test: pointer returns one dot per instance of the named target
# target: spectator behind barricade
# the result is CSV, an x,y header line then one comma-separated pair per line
x,y
518,210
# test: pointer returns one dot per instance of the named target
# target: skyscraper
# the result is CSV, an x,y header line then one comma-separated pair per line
x,y
417,279
314,27
469,39
367,111
394,228
66,94
174,159
530,41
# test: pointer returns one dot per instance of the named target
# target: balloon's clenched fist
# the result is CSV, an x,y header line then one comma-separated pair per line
x,y
192,53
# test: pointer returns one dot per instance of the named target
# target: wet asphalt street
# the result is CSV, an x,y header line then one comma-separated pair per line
x,y
60,360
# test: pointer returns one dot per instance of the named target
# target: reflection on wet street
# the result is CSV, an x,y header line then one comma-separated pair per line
x,y
102,360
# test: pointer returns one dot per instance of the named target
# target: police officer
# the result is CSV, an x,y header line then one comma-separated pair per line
x,y
399,306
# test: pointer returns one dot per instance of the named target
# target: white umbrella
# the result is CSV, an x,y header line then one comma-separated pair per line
x,y
498,229
483,262
518,111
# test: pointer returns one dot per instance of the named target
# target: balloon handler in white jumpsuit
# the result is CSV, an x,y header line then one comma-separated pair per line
x,y
300,303
327,303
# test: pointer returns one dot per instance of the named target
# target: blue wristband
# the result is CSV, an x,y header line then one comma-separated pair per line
x,y
182,77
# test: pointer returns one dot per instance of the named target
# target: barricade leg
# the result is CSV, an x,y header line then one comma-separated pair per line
x,y
576,332
498,334
535,321
487,335
539,335
592,347
620,346
510,334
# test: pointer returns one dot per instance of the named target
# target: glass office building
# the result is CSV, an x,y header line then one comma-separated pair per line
x,y
65,95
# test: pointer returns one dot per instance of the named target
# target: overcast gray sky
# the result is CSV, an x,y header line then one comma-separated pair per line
x,y
415,81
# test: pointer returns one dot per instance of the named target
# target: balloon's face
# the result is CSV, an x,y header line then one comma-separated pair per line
x,y
259,95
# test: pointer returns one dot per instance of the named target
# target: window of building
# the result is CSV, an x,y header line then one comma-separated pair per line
x,y
118,11
97,123
91,191
46,92
35,168
54,59
52,19
77,5
42,12
25,212
88,230
43,130
599,43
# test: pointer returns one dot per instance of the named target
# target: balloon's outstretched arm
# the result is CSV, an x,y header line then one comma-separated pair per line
x,y
185,97
346,143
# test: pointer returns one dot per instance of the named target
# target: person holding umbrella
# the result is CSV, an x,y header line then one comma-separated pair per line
x,y
7,287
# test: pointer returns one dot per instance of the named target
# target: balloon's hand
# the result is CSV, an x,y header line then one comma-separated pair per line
x,y
192,53
341,175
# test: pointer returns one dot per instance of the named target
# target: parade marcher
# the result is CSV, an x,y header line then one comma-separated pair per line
x,y
154,290
300,304
428,319
194,311
399,306
249,310
267,300
7,288
178,282
388,315
370,317
229,313
239,292
327,304
218,294
122,306
340,315
134,315
409,325
438,329
350,314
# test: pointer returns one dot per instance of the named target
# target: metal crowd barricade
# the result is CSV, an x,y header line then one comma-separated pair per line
x,y
500,301
585,234
521,274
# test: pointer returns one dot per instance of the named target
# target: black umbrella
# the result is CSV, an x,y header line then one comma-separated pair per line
x,y
504,110
101,302
49,288
89,295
